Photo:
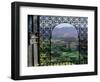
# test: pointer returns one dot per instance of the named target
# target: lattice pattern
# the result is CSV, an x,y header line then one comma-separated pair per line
x,y
47,24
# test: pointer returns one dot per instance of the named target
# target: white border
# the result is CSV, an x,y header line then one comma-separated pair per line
x,y
24,70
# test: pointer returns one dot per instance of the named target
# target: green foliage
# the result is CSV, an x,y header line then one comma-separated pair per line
x,y
58,54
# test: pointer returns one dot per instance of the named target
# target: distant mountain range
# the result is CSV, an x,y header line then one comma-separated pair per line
x,y
64,32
